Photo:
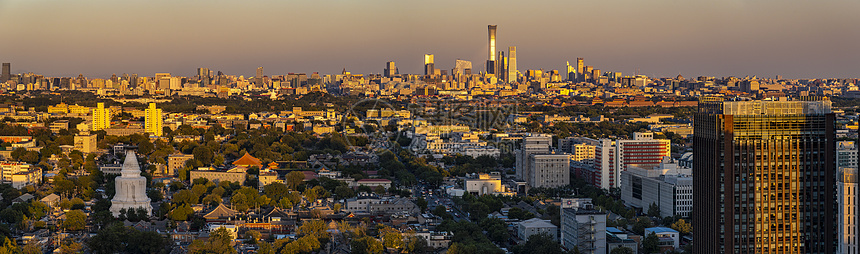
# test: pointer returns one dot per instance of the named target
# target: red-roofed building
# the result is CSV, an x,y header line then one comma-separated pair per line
x,y
247,161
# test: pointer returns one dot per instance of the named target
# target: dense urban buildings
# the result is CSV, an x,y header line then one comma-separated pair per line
x,y
764,171
448,159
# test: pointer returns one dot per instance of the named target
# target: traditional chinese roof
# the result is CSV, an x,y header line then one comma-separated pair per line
x,y
278,212
273,165
220,212
247,161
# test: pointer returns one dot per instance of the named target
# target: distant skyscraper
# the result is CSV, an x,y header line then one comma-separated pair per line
x,y
101,117
503,66
512,64
571,73
390,69
765,177
491,60
429,66
462,67
154,120
259,78
7,72
580,68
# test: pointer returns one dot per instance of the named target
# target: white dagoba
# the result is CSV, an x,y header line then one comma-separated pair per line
x,y
130,188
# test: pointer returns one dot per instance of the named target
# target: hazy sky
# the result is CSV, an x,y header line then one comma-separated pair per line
x,y
795,39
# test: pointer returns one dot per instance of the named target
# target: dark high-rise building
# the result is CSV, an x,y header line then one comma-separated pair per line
x,y
7,72
259,77
764,177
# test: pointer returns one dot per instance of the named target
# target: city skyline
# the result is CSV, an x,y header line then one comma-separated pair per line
x,y
793,39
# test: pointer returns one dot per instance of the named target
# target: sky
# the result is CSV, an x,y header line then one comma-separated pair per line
x,y
659,38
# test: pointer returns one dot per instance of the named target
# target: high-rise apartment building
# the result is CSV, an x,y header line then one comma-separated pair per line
x,y
154,120
548,170
101,117
429,67
765,177
847,198
539,144
7,72
612,157
512,64
582,226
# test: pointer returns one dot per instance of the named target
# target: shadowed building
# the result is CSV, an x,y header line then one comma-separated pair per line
x,y
765,177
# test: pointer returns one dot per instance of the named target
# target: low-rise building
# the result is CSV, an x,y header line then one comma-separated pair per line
x,y
235,174
667,185
373,183
535,226
177,161
668,236
486,184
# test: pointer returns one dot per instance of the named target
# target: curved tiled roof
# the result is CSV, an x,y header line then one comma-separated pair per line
x,y
247,160
220,212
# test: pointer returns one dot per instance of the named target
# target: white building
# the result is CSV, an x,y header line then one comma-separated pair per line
x,y
486,184
548,170
846,193
539,144
535,226
667,185
665,234
846,154
582,227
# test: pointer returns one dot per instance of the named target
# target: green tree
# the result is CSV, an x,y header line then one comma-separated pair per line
x,y
641,224
294,179
651,244
366,245
654,210
75,220
416,245
539,243
421,203
622,250
218,242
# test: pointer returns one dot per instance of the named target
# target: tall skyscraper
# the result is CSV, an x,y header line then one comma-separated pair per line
x,y
846,195
429,66
571,72
154,120
390,69
503,66
764,177
512,64
101,117
7,72
580,68
259,77
491,59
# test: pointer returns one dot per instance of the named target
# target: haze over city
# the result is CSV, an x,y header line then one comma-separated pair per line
x,y
795,39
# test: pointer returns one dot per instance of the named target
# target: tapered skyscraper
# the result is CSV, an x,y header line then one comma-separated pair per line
x,y
764,177
491,59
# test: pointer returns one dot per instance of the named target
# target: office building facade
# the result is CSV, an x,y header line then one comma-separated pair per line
x,y
765,177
